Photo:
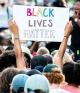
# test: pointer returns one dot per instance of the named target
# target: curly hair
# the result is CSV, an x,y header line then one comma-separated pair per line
x,y
55,76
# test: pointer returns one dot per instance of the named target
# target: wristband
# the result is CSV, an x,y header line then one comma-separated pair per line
x,y
16,37
65,36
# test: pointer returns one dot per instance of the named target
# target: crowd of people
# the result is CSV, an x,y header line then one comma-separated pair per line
x,y
36,69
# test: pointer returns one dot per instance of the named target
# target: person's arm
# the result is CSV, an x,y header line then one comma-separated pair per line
x,y
20,62
34,47
63,45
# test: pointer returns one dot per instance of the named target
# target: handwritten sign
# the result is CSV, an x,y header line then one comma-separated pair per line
x,y
40,23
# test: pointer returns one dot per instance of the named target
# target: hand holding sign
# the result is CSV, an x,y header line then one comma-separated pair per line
x,y
40,23
20,61
13,27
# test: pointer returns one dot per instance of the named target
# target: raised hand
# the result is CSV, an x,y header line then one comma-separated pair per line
x,y
20,62
13,27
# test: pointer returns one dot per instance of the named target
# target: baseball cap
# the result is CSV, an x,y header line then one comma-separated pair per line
x,y
33,71
37,82
49,67
18,82
40,68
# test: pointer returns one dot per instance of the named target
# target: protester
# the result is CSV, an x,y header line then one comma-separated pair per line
x,y
49,58
38,61
73,27
42,50
59,60
7,59
44,76
20,60
33,72
71,70
55,77
37,83
18,83
6,77
72,74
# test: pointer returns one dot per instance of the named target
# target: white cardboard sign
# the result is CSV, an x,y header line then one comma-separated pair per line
x,y
40,23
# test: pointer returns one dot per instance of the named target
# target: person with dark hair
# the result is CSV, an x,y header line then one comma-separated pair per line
x,y
38,61
7,59
72,77
49,58
2,40
28,59
59,3
33,72
74,27
18,83
6,77
70,70
10,47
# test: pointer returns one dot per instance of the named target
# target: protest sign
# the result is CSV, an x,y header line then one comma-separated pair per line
x,y
40,23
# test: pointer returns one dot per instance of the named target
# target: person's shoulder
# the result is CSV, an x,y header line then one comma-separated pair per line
x,y
59,90
62,91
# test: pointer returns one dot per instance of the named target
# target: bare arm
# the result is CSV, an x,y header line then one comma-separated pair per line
x,y
34,47
62,48
20,62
